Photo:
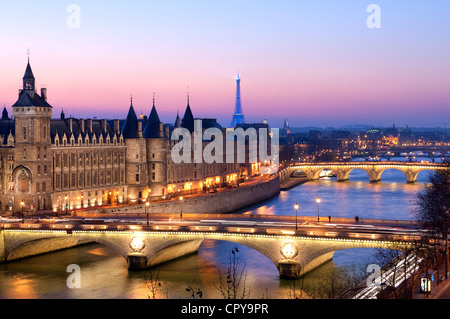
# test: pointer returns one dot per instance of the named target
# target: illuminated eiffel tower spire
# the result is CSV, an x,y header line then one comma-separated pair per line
x,y
238,116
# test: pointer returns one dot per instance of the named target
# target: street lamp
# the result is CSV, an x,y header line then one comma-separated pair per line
x,y
296,206
22,204
181,209
318,205
146,210
65,204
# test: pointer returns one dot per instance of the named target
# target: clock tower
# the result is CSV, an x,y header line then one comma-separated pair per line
x,y
28,80
32,148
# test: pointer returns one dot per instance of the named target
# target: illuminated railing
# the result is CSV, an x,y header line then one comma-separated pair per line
x,y
324,233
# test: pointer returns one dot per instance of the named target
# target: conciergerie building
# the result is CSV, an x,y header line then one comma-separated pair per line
x,y
58,164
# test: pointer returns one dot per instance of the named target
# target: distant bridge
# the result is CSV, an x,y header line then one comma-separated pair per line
x,y
373,169
294,247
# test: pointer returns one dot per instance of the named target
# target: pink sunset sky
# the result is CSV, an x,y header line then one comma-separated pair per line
x,y
314,62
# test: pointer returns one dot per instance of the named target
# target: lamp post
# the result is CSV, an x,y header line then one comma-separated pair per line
x,y
181,208
22,204
66,206
318,205
296,206
146,210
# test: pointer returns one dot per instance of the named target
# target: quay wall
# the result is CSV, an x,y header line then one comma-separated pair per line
x,y
218,203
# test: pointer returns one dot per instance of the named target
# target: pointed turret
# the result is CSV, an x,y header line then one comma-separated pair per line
x,y
130,128
177,121
5,114
188,119
152,129
27,96
28,79
28,72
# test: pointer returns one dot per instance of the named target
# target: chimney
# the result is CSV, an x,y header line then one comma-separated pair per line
x,y
139,129
89,125
44,94
71,125
82,125
104,125
116,126
161,129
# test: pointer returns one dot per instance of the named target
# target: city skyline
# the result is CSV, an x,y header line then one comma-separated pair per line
x,y
316,64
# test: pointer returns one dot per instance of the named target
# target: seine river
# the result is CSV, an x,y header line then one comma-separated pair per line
x,y
104,274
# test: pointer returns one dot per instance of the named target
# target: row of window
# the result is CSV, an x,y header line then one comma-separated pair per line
x,y
188,171
87,159
94,142
74,180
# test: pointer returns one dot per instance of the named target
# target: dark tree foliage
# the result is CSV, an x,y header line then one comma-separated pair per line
x,y
433,207
433,203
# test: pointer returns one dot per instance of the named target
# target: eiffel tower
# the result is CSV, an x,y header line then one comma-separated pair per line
x,y
238,116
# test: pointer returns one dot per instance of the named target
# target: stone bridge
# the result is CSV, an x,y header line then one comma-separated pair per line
x,y
293,255
373,169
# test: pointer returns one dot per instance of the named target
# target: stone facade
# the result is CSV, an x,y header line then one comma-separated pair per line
x,y
60,164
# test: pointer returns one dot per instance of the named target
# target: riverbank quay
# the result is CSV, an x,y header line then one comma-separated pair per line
x,y
223,201
291,183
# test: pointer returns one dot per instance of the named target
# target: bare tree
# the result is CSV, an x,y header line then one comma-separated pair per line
x,y
266,294
299,290
193,293
388,258
333,285
233,284
154,285
353,281
405,262
430,254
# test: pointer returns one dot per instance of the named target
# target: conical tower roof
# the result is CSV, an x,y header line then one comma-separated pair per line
x,y
28,72
130,128
5,114
188,119
177,121
152,127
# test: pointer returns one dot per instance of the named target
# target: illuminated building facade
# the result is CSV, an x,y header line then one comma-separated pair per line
x,y
60,164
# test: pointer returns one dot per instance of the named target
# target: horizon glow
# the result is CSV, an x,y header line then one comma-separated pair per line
x,y
315,63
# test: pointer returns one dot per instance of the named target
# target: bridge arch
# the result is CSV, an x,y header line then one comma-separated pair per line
x,y
346,173
391,170
29,244
374,169
292,256
422,175
177,247
298,173
319,171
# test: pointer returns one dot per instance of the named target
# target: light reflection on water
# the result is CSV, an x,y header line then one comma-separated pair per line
x,y
104,274
392,198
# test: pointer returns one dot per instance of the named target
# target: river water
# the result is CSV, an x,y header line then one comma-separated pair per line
x,y
104,273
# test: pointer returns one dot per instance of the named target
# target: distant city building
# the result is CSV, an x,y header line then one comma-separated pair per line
x,y
286,129
66,163
238,116
248,168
